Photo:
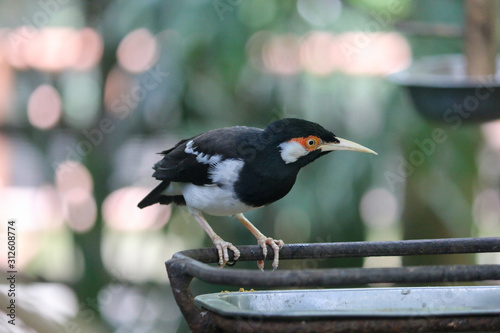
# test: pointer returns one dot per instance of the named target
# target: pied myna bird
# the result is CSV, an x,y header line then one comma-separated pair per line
x,y
232,170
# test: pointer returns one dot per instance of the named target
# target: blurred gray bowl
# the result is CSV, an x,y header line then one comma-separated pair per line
x,y
362,302
441,90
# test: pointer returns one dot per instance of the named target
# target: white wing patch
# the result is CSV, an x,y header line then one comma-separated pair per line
x,y
226,172
217,200
291,151
202,157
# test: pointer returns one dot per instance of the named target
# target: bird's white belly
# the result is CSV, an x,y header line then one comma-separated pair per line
x,y
213,200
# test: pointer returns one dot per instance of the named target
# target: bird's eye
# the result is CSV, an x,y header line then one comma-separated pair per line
x,y
311,142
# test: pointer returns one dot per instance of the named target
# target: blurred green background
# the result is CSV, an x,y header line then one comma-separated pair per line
x,y
91,90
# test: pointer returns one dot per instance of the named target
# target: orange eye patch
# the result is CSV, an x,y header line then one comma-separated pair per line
x,y
310,143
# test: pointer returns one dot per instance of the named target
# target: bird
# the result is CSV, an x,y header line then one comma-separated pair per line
x,y
230,171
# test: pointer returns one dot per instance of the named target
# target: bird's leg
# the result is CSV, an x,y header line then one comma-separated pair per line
x,y
219,243
263,241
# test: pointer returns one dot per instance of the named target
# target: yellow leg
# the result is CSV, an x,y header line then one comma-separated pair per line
x,y
263,241
221,245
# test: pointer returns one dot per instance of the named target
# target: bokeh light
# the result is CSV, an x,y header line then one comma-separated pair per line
x,y
16,43
316,53
321,52
91,49
378,53
486,211
120,211
491,131
138,51
379,208
75,185
73,175
81,209
44,107
42,214
48,207
52,49
280,54
117,98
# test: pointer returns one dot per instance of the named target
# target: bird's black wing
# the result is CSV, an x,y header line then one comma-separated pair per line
x,y
189,161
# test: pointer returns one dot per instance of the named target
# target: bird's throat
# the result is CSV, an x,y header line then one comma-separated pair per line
x,y
291,151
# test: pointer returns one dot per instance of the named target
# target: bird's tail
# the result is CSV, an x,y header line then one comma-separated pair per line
x,y
154,196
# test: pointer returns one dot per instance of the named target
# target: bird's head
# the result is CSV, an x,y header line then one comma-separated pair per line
x,y
300,141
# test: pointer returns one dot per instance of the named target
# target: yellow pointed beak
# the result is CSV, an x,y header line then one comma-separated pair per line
x,y
344,144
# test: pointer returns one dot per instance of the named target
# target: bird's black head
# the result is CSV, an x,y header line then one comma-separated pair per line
x,y
278,153
300,142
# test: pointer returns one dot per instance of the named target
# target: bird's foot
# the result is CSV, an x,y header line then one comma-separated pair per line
x,y
222,247
276,244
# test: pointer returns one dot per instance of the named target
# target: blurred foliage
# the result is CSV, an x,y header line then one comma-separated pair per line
x,y
209,69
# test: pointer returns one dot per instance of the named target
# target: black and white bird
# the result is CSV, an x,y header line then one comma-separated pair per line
x,y
232,170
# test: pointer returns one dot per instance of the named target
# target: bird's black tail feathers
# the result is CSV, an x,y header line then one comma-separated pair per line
x,y
155,195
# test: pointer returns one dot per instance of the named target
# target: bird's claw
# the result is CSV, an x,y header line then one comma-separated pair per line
x,y
222,247
276,245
